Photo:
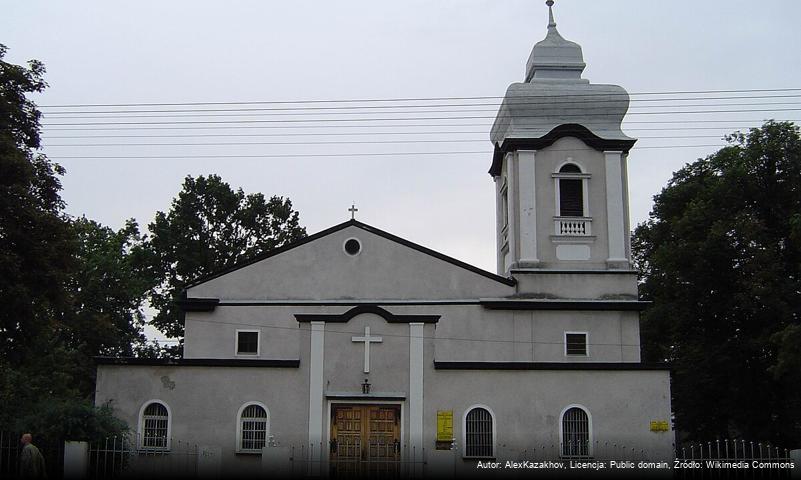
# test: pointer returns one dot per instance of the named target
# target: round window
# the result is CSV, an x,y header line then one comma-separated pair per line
x,y
352,246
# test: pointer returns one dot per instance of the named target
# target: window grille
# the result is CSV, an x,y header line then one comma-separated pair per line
x,y
576,343
247,343
155,421
478,433
575,433
253,428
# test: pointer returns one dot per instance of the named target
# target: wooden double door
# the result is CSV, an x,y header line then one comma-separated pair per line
x,y
365,440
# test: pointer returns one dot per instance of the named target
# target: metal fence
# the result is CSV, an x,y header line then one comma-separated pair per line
x,y
732,458
10,447
347,459
577,450
119,457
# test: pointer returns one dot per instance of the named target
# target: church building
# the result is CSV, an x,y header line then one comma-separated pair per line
x,y
354,350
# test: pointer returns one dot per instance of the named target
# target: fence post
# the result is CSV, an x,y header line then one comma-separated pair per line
x,y
76,460
209,461
795,456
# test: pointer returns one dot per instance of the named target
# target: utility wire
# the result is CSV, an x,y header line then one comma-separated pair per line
x,y
315,155
337,134
471,117
410,99
332,142
325,110
435,125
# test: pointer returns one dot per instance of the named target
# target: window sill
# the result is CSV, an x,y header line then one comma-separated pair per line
x,y
248,452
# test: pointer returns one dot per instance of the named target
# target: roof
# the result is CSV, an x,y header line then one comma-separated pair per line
x,y
368,228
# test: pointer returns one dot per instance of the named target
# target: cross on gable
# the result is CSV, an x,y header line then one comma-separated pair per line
x,y
367,339
353,211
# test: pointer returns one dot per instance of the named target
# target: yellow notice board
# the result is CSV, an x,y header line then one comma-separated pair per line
x,y
659,426
444,425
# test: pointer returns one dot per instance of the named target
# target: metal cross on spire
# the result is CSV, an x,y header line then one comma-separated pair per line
x,y
353,211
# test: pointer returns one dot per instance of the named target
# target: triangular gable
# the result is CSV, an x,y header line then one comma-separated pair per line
x,y
388,259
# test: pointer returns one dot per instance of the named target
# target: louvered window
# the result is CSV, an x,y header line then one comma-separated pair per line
x,y
155,423
575,343
571,193
478,434
575,433
253,428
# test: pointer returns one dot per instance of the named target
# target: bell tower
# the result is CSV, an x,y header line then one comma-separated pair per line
x,y
559,166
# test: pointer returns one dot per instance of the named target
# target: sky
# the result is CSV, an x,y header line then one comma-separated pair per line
x,y
99,52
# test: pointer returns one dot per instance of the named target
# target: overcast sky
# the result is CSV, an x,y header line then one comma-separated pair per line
x,y
102,52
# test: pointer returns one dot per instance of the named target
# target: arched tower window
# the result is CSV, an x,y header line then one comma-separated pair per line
x,y
571,193
575,433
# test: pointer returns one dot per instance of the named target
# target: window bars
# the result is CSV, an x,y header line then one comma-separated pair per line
x,y
575,433
155,420
478,434
254,428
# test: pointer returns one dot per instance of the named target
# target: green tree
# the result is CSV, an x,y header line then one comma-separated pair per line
x,y
61,304
720,258
35,240
209,227
108,287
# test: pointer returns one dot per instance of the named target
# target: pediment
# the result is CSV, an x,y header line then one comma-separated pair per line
x,y
320,267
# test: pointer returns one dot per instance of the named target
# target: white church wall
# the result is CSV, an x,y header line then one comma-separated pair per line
x,y
591,161
204,401
213,334
383,269
472,333
605,284
527,407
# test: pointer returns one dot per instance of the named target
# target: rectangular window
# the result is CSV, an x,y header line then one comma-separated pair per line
x,y
247,342
571,198
576,344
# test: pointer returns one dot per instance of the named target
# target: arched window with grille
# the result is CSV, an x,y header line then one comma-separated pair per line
x,y
576,432
253,428
154,426
479,432
571,191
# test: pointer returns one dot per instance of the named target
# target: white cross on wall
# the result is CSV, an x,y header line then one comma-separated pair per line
x,y
367,339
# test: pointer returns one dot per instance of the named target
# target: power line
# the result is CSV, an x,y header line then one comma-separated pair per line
x,y
436,125
342,142
337,134
471,117
410,99
326,110
315,155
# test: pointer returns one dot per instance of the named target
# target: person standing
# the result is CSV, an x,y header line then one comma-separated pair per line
x,y
31,461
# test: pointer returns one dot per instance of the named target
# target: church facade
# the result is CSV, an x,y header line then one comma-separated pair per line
x,y
355,349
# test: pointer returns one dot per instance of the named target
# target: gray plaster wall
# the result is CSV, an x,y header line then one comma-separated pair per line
x,y
463,333
603,285
204,402
472,333
527,406
321,270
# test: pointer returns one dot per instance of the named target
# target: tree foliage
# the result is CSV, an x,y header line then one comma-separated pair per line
x,y
35,241
64,286
209,227
720,258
